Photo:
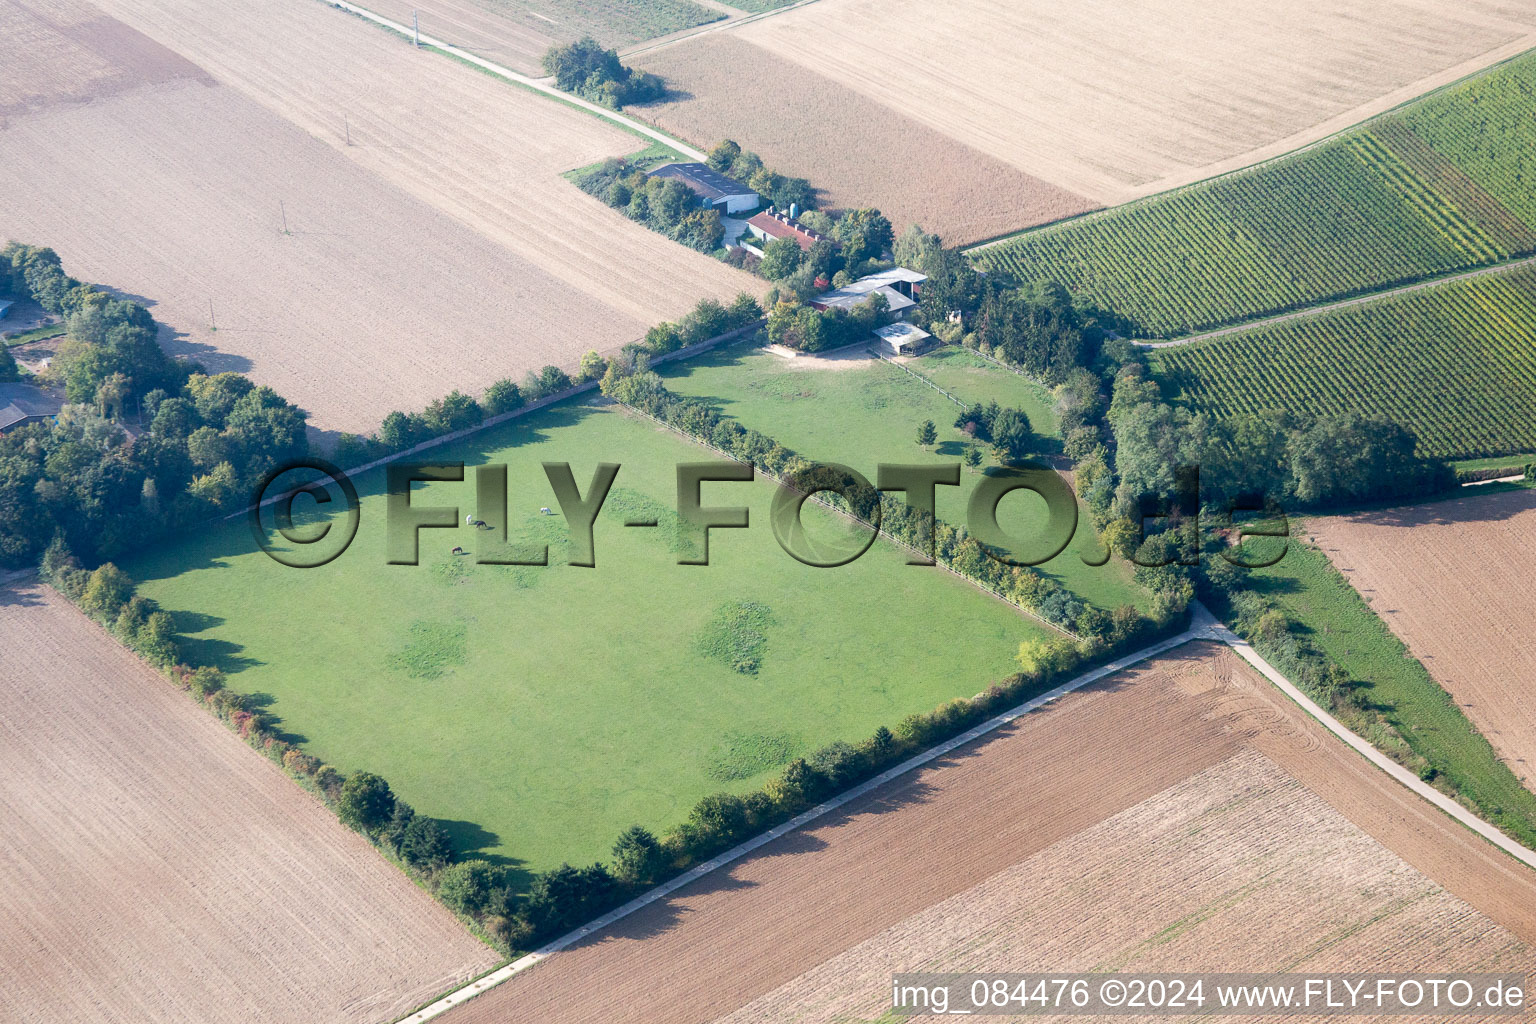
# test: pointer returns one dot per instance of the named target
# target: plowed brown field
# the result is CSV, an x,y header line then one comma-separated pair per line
x,y
1453,580
1179,814
157,869
441,249
1115,100
859,152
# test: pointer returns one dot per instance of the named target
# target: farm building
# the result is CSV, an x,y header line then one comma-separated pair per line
x,y
713,189
900,286
903,339
770,226
21,404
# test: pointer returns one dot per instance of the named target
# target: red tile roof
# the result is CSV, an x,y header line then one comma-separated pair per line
x,y
778,225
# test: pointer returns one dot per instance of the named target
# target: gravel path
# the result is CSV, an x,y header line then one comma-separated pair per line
x,y
1326,307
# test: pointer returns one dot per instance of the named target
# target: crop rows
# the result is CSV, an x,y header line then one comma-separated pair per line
x,y
1454,362
1486,127
1448,183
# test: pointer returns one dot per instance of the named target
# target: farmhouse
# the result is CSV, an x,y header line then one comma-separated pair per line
x,y
713,189
900,286
903,339
21,404
770,226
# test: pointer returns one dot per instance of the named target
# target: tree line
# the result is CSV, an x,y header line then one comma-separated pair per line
x,y
209,438
633,384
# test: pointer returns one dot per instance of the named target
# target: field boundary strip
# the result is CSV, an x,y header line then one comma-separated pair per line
x,y
1202,627
501,71
1334,304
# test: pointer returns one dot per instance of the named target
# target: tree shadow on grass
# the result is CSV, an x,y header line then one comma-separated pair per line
x,y
224,655
262,702
472,841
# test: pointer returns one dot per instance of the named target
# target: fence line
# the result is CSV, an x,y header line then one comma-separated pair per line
x,y
885,358
1011,368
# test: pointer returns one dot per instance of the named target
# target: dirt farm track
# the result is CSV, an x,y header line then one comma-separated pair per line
x,y
158,869
1180,815
440,249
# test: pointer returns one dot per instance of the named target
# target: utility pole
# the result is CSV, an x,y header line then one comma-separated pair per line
x,y
348,123
212,323
284,211
416,24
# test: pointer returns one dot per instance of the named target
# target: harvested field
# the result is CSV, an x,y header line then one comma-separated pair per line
x,y
441,249
1230,865
69,53
159,869
859,152
1452,580
1112,101
517,33
1180,813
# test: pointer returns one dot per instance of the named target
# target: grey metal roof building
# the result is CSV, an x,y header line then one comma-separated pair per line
x,y
899,286
714,188
22,403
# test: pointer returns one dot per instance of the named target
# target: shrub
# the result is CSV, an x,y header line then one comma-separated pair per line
x,y
637,856
426,844
564,897
454,411
205,680
107,590
592,367
300,763
327,778
502,396
468,887
352,450
157,640
551,380
366,802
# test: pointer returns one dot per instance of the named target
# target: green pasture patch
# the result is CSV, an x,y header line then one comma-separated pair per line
x,y
541,710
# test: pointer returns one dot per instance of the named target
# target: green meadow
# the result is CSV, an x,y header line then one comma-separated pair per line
x,y
541,710
866,412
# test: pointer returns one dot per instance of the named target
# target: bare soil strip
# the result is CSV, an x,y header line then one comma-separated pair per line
x,y
740,933
1453,580
159,869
